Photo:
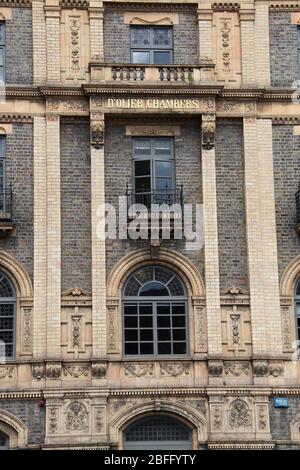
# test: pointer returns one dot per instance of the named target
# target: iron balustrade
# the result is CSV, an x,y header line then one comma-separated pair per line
x,y
6,200
298,206
161,197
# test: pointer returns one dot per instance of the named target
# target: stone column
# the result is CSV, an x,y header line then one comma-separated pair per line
x,y
205,16
40,237
248,46
211,249
262,46
96,11
53,237
261,237
39,42
98,241
52,11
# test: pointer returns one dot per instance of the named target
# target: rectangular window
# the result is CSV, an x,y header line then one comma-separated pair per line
x,y
152,45
153,170
2,52
2,172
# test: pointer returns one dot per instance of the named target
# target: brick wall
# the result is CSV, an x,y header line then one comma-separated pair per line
x,y
117,39
231,204
118,156
281,418
19,173
286,151
19,55
75,206
283,49
29,412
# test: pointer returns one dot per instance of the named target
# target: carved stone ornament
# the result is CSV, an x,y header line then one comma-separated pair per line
x,y
217,418
76,371
53,371
174,370
99,370
38,371
276,369
7,372
208,131
53,420
97,133
75,44
99,420
27,330
76,336
261,369
262,418
200,405
139,370
286,328
236,369
215,368
235,328
225,28
76,418
239,414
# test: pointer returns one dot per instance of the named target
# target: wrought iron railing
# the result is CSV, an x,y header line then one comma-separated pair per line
x,y
6,205
166,197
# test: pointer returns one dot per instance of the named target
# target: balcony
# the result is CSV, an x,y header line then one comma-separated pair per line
x,y
152,74
6,217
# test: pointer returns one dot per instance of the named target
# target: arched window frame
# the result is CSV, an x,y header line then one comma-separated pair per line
x,y
157,303
9,354
297,309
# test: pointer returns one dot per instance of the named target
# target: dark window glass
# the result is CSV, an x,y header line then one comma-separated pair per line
x,y
7,318
152,45
2,51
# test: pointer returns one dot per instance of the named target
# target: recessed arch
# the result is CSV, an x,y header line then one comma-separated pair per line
x,y
168,258
17,274
14,428
174,408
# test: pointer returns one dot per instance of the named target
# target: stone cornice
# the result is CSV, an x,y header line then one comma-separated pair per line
x,y
151,6
241,445
17,3
16,118
176,90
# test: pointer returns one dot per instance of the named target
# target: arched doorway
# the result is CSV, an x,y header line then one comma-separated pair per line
x,y
3,441
157,432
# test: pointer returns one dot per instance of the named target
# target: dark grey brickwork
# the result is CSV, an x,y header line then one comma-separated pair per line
x,y
118,156
283,49
117,39
281,418
75,206
231,204
29,412
286,151
19,173
19,53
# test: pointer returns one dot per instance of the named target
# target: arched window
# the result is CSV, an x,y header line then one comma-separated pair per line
x,y
157,433
7,318
3,441
154,313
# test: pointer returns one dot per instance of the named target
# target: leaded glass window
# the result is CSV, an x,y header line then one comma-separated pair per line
x,y
2,172
3,441
152,45
7,318
157,432
2,52
154,313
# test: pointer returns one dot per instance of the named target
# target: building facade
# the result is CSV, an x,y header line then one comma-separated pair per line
x,y
160,342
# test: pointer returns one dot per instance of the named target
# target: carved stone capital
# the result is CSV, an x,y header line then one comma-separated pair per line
x,y
53,371
261,368
97,130
215,368
99,370
38,370
208,131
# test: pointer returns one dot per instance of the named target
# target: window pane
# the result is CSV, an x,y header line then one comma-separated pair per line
x,y
131,335
140,57
142,185
146,335
130,310
146,321
154,289
179,335
142,168
140,37
161,57
163,169
164,335
142,147
179,348
1,57
146,348
145,309
164,348
162,37
163,321
164,184
178,321
2,33
163,147
131,348
130,322
163,309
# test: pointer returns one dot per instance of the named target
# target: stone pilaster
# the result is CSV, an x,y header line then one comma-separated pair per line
x,y
39,42
52,12
96,30
98,240
40,237
205,16
261,237
211,250
248,46
262,44
53,237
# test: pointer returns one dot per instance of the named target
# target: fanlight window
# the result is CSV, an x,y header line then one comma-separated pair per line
x,y
154,313
7,318
157,432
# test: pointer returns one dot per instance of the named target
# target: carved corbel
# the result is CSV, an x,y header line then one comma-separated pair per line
x,y
97,130
208,131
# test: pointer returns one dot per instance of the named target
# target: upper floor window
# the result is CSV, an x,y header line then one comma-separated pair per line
x,y
154,172
7,317
2,171
3,441
154,313
151,45
297,304
2,51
